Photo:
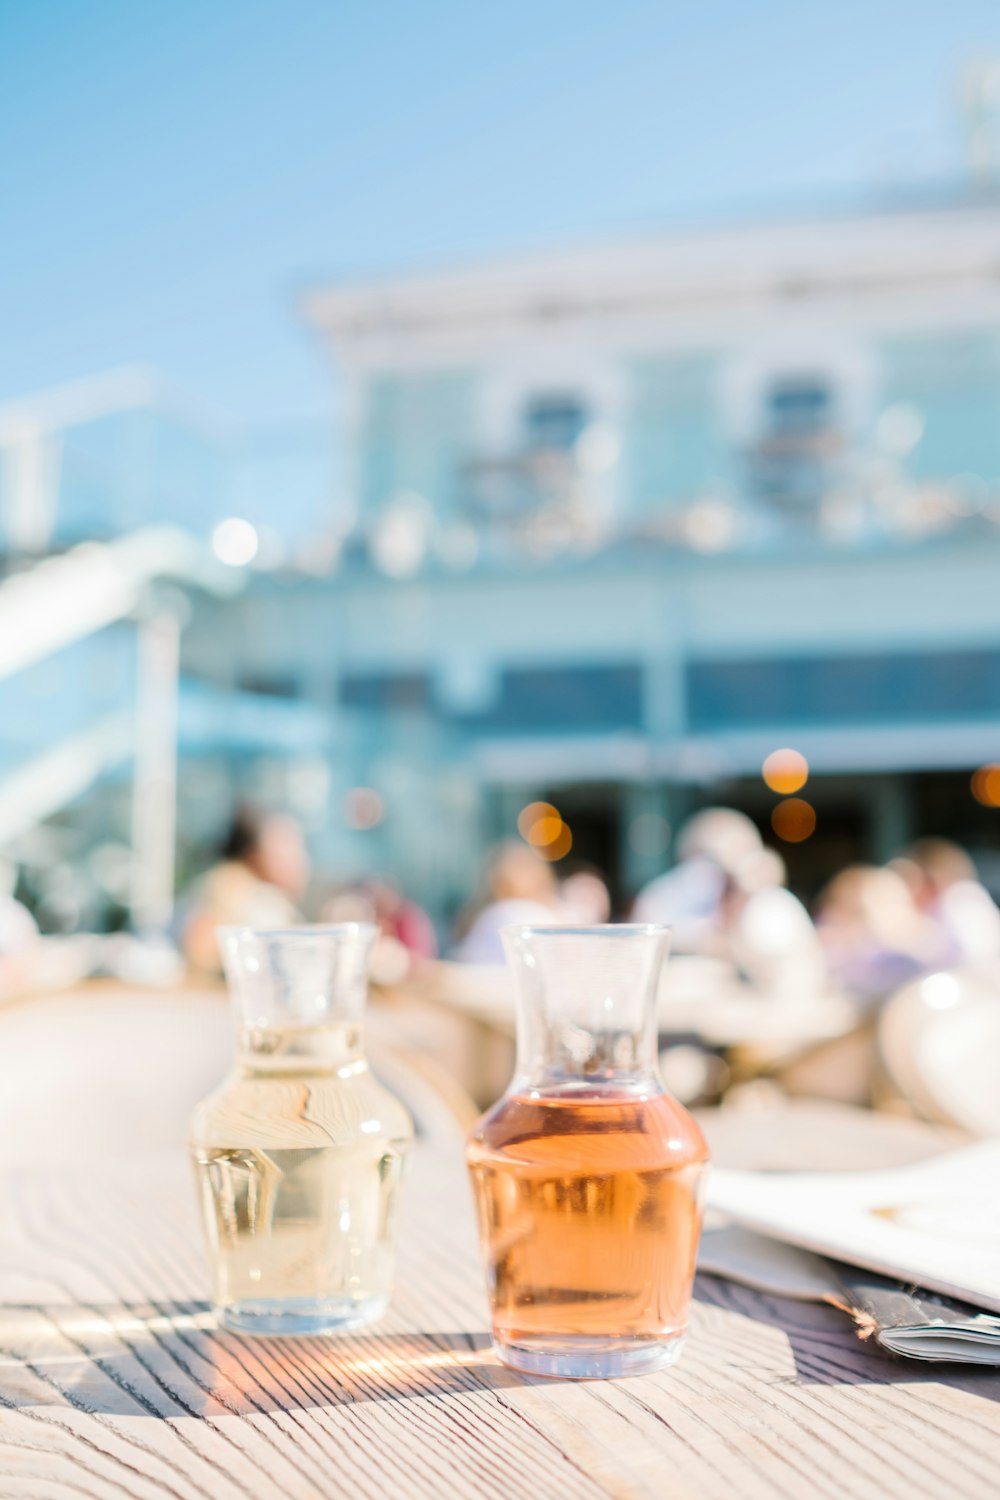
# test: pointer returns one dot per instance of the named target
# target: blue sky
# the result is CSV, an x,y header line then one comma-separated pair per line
x,y
171,173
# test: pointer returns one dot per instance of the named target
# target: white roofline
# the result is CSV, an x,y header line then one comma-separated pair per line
x,y
789,259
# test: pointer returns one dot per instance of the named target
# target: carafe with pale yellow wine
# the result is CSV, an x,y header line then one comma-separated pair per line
x,y
587,1175
299,1151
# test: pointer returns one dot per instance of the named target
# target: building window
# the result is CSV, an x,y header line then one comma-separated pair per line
x,y
554,422
800,406
793,462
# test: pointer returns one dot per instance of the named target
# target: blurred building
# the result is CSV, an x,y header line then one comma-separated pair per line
x,y
610,527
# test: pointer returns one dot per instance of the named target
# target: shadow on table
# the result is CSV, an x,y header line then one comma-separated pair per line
x,y
167,1360
827,1350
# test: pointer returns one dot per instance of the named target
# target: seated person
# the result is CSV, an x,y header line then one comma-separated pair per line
x,y
262,874
946,888
518,886
874,936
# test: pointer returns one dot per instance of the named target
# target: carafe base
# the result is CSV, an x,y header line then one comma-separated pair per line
x,y
582,1358
292,1316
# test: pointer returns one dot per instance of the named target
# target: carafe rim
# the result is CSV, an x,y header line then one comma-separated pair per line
x,y
586,930
304,930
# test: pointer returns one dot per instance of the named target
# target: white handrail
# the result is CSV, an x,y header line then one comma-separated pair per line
x,y
66,598
95,396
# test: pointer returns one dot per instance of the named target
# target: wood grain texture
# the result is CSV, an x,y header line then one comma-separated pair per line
x,y
114,1383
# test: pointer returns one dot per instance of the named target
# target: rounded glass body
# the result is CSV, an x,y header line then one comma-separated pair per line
x,y
299,1151
587,1175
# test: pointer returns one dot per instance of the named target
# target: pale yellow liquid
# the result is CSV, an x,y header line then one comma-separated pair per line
x,y
299,1155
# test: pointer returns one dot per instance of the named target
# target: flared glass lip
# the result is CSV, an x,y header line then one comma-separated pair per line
x,y
302,933
600,930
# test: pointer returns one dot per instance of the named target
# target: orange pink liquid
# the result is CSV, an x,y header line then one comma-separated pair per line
x,y
589,1214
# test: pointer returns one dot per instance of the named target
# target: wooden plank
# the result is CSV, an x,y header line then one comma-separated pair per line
x,y
113,1381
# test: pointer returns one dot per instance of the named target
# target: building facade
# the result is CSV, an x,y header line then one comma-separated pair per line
x,y
621,522
609,527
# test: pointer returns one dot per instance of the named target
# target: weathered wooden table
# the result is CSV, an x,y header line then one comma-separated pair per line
x,y
114,1382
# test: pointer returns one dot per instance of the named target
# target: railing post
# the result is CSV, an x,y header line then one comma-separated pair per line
x,y
154,798
31,462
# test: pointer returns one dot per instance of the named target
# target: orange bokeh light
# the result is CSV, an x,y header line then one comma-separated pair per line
x,y
794,820
560,845
535,812
785,771
545,831
986,785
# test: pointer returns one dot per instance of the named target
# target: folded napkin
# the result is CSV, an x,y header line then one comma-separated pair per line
x,y
902,1320
913,1253
933,1224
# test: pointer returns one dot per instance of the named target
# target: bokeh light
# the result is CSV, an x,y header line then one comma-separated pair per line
x,y
535,812
986,785
363,808
709,526
541,825
545,831
560,845
785,771
402,535
235,541
794,820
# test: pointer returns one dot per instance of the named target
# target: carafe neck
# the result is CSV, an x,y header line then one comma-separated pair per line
x,y
306,981
337,1048
586,1005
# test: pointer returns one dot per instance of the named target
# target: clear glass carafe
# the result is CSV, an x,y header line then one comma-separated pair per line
x,y
587,1175
299,1151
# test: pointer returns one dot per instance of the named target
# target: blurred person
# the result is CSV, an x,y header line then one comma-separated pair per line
x,y
767,932
261,876
584,896
726,898
20,941
398,917
711,848
945,885
406,933
518,886
347,903
873,933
